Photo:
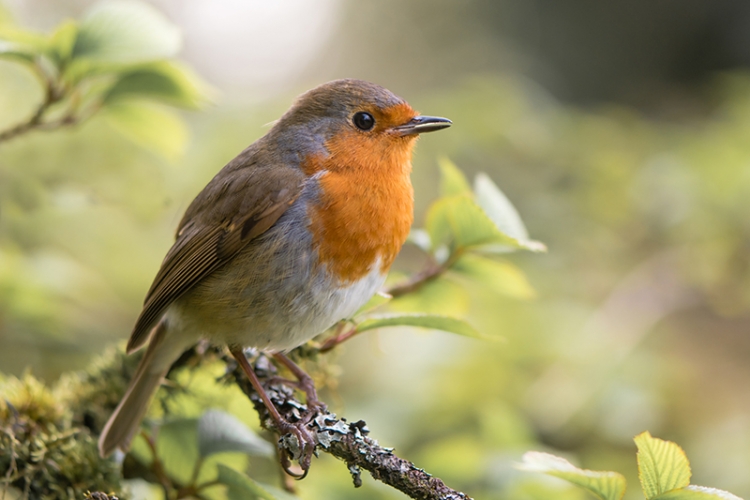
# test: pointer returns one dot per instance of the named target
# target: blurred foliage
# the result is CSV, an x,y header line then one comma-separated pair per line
x,y
42,453
640,312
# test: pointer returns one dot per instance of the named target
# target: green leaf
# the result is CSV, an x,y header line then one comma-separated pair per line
x,y
662,465
498,207
17,51
11,33
62,41
500,276
121,31
502,212
460,219
452,180
219,431
150,126
241,487
164,81
177,448
604,484
698,493
432,321
442,296
375,301
19,44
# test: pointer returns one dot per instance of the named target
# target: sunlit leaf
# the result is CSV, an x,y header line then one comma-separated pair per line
x,y
498,207
17,51
63,40
604,484
501,277
697,493
502,212
241,487
126,31
460,218
20,44
219,431
662,465
431,321
452,180
165,81
35,42
150,126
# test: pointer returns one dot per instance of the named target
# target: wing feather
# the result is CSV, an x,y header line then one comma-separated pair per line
x,y
211,234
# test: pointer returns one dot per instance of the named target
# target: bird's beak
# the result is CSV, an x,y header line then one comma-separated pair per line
x,y
421,124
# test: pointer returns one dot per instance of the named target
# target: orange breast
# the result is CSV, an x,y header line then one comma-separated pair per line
x,y
366,203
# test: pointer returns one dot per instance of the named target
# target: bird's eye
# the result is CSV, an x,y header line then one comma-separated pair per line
x,y
363,121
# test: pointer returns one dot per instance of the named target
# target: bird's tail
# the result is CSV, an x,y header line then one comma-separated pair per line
x,y
124,422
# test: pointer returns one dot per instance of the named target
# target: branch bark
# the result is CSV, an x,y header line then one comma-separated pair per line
x,y
348,441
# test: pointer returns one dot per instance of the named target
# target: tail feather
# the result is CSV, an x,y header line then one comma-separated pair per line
x,y
126,419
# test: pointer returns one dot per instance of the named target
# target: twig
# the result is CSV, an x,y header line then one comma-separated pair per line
x,y
346,441
432,271
54,93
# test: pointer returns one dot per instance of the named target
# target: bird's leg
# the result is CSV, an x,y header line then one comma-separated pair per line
x,y
305,439
304,382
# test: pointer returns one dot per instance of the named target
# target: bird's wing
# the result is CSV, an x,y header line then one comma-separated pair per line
x,y
235,207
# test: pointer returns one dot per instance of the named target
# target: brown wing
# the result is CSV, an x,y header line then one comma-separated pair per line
x,y
236,206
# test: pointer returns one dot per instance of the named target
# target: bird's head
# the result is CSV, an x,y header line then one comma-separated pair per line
x,y
353,124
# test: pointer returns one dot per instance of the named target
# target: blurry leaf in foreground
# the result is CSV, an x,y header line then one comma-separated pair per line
x,y
431,321
122,31
16,51
501,277
604,484
176,445
63,40
150,126
698,493
219,431
662,465
164,81
452,180
241,487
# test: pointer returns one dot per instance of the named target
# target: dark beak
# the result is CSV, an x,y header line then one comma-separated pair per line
x,y
421,124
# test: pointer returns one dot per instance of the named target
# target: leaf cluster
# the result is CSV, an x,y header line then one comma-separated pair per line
x,y
117,61
663,469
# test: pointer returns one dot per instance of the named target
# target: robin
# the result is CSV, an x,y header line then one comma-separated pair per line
x,y
293,235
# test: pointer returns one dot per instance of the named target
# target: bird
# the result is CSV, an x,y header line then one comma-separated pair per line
x,y
293,235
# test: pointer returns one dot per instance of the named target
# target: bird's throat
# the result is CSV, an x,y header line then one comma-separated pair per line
x,y
365,209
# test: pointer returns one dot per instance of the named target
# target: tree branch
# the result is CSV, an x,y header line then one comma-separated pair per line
x,y
346,441
54,93
432,271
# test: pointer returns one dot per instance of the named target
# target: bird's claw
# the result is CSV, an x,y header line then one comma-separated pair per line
x,y
305,447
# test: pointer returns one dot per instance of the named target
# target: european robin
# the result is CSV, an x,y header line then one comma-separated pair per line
x,y
293,235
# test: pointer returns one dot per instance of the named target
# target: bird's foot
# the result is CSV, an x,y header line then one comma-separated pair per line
x,y
298,443
304,383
